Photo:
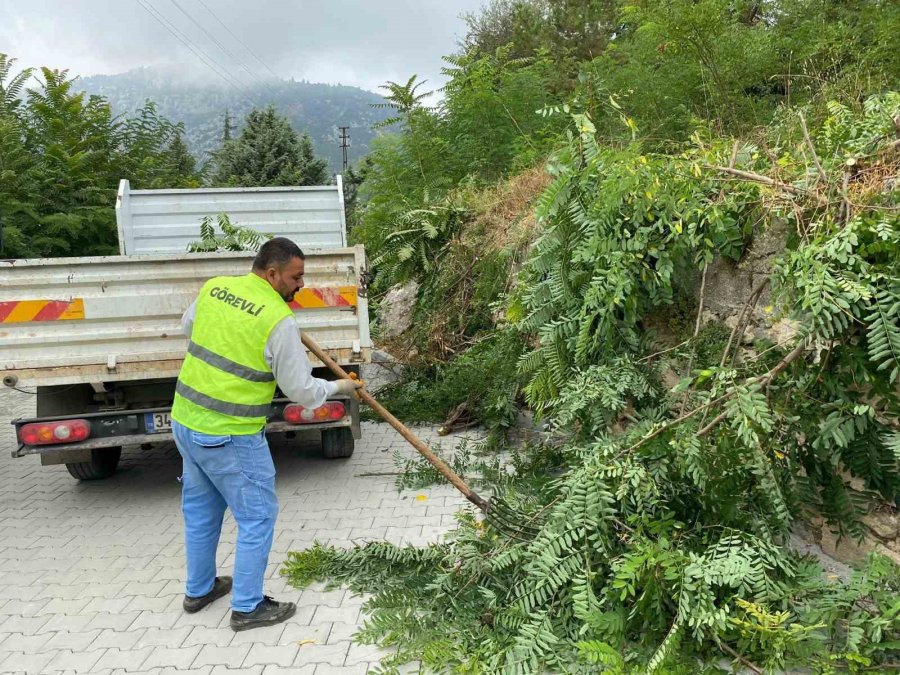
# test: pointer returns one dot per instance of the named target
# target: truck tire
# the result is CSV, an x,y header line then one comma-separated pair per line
x,y
337,443
102,465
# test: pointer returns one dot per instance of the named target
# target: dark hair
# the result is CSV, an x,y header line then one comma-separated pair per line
x,y
277,252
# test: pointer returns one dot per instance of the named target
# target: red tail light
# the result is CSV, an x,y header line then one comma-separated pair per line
x,y
52,433
330,412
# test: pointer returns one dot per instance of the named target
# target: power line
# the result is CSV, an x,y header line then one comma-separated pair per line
x,y
241,42
165,23
254,78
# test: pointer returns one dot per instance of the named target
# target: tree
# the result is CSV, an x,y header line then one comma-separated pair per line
x,y
181,161
268,152
62,154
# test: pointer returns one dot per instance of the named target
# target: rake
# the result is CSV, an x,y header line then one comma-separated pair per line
x,y
498,513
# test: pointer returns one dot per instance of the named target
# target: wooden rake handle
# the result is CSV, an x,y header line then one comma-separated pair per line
x,y
401,428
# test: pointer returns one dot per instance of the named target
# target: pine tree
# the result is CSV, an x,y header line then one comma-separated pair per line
x,y
268,152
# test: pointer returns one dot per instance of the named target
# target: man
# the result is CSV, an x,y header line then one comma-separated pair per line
x,y
243,340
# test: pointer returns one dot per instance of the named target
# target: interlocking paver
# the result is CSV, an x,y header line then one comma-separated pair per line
x,y
270,635
103,562
164,637
231,657
223,670
73,641
177,657
155,620
73,623
332,653
363,654
116,605
80,662
124,639
26,663
29,644
342,631
190,671
308,669
201,635
118,622
343,614
127,659
26,625
264,654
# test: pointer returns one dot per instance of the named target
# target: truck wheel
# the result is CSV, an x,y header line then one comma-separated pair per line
x,y
337,443
102,465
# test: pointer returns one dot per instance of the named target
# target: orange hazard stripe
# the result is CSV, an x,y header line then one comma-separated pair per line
x,y
25,311
316,298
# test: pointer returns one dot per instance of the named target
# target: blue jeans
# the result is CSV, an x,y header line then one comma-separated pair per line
x,y
232,471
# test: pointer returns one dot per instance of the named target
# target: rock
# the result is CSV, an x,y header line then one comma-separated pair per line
x,y
848,551
727,288
783,332
381,356
669,379
883,524
890,553
397,309
803,541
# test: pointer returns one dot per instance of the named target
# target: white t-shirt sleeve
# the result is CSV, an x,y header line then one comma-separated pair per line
x,y
187,319
286,356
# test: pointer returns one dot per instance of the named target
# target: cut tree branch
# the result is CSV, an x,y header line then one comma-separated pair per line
x,y
763,380
690,363
822,176
765,180
747,664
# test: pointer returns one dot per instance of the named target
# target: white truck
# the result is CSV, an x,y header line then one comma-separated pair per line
x,y
99,341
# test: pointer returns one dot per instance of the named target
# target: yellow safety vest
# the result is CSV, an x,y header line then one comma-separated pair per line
x,y
225,385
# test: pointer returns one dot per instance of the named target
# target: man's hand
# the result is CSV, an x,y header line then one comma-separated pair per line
x,y
349,387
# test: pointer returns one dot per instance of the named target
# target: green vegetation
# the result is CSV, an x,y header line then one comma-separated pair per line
x,y
677,137
231,236
267,152
62,155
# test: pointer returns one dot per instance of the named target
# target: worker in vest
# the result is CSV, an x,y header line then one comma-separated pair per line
x,y
243,340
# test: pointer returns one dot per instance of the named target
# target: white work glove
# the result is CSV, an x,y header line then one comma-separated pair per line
x,y
348,387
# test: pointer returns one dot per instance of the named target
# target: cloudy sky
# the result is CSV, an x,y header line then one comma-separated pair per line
x,y
337,41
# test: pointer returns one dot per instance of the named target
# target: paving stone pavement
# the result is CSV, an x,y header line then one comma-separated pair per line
x,y
94,571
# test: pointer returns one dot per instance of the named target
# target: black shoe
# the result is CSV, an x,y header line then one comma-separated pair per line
x,y
221,586
267,613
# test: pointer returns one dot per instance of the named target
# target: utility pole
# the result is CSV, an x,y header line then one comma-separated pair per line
x,y
345,143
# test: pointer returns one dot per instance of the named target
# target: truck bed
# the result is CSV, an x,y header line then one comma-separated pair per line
x,y
108,319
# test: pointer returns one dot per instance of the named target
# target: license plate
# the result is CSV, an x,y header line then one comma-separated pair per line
x,y
158,422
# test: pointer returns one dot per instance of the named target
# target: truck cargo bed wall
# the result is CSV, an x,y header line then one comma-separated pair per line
x,y
71,320
166,221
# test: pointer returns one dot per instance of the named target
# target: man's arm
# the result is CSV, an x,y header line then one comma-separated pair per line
x,y
287,358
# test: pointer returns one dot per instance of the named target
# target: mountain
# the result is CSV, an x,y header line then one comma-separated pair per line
x,y
313,108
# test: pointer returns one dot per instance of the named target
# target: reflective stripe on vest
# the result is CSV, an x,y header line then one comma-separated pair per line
x,y
228,365
224,407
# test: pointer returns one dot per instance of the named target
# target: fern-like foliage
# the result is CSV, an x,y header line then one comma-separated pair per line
x,y
233,237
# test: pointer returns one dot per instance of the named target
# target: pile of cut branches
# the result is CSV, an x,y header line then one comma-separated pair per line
x,y
662,529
